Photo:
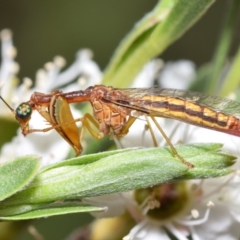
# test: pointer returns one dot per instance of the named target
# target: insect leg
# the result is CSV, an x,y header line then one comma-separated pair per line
x,y
59,115
46,116
126,127
151,132
41,130
53,127
86,120
171,145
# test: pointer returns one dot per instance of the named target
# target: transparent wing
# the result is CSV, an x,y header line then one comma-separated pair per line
x,y
130,98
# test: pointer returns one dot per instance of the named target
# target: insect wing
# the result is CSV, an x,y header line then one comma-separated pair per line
x,y
199,109
142,98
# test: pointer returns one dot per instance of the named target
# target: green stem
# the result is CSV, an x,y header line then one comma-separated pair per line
x,y
232,80
223,46
165,24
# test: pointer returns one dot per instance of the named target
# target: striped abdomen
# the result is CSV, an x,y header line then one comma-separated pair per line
x,y
190,112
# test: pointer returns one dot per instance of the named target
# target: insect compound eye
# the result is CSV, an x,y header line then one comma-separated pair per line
x,y
23,111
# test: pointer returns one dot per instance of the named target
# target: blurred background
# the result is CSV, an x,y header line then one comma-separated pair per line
x,y
44,29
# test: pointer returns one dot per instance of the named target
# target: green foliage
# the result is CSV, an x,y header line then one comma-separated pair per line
x,y
168,21
27,193
105,173
16,174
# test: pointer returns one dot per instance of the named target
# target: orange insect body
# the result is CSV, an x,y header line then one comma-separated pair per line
x,y
112,106
113,110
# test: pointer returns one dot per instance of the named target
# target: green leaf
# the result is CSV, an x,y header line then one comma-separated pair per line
x,y
151,36
207,163
86,159
204,156
116,171
53,210
20,208
201,173
16,174
127,46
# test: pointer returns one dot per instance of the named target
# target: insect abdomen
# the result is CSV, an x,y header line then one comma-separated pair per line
x,y
191,112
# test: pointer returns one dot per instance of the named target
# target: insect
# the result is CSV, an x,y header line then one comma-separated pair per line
x,y
115,110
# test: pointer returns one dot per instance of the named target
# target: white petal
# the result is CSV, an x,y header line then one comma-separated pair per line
x,y
146,77
178,75
221,225
146,230
115,203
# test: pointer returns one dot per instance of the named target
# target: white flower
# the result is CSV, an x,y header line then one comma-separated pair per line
x,y
202,209
177,75
223,220
201,218
49,145
146,77
212,208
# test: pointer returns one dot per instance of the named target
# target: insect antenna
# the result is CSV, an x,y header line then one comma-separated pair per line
x,y
7,104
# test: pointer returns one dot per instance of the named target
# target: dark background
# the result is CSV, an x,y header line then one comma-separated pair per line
x,y
43,29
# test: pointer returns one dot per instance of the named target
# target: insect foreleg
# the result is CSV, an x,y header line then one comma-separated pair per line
x,y
45,115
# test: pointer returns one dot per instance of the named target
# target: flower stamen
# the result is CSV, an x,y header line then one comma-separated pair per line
x,y
195,213
199,221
